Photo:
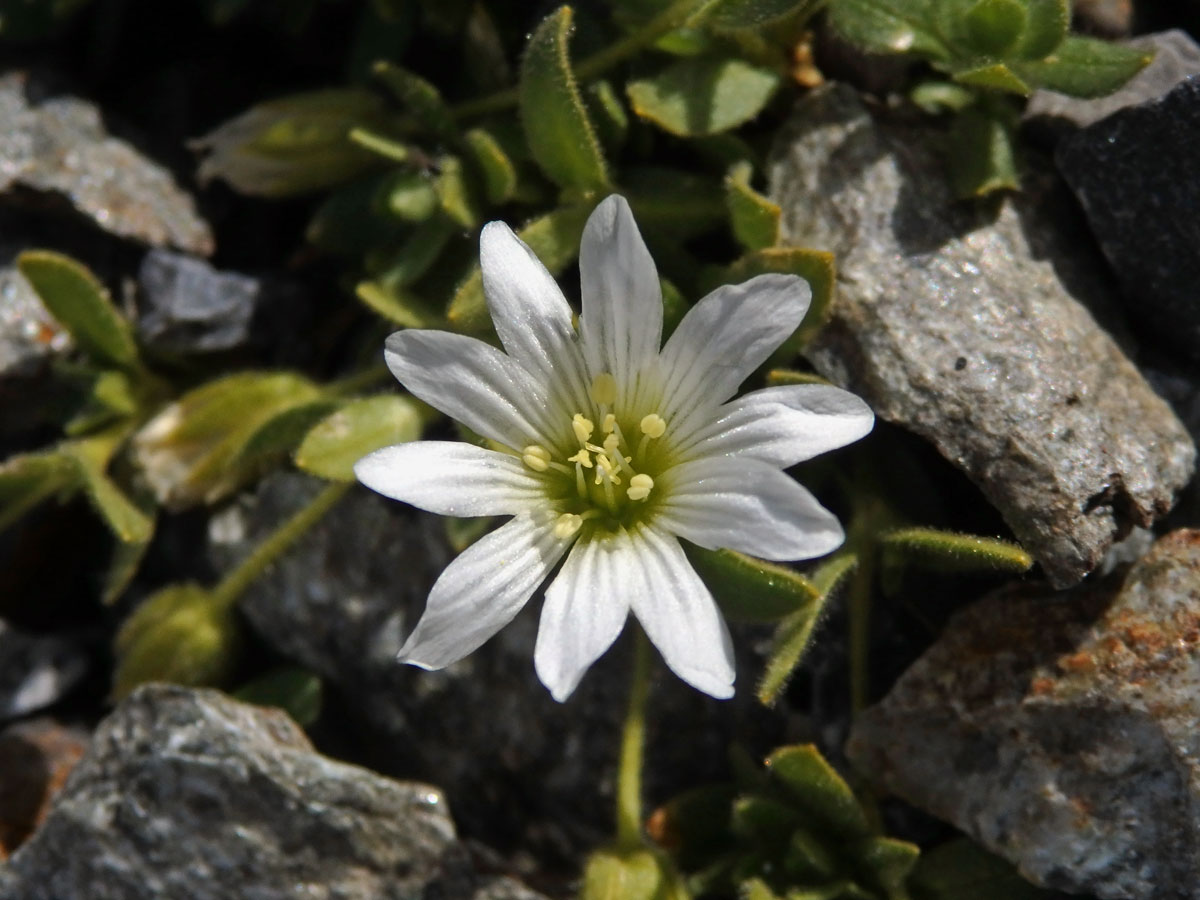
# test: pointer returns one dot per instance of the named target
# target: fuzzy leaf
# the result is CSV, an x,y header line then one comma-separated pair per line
x,y
28,479
640,874
499,173
557,127
409,195
750,13
888,860
983,159
754,218
749,589
337,442
554,237
419,98
127,521
819,789
295,690
455,193
788,645
1085,67
944,551
704,95
75,298
1046,27
994,26
890,26
994,76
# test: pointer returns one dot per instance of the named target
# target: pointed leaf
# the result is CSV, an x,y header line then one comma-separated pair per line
x,y
750,589
945,551
75,298
126,559
337,442
28,479
124,518
777,377
819,790
499,173
1085,67
888,860
295,690
557,128
554,237
788,646
754,218
704,95
455,193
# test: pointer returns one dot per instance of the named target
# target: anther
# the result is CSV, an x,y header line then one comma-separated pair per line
x,y
610,424
583,458
566,525
583,427
653,425
604,389
639,487
537,458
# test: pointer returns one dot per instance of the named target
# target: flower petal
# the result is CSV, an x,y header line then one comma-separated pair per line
x,y
621,324
472,382
586,607
530,313
722,339
781,425
745,505
481,591
679,615
451,478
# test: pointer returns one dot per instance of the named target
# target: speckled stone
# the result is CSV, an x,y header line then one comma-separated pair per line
x,y
190,795
1060,729
1137,175
59,145
963,323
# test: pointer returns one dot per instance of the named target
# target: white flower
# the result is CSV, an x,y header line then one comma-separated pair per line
x,y
612,449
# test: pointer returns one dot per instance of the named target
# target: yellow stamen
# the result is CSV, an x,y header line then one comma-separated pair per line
x,y
604,389
567,525
583,458
610,423
639,487
611,443
653,425
583,427
606,470
536,457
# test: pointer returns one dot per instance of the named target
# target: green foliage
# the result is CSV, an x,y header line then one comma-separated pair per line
x,y
703,95
991,47
795,830
752,590
295,690
640,874
332,447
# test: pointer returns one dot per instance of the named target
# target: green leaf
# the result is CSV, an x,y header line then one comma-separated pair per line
x,y
638,874
177,635
936,97
777,377
455,193
396,304
754,218
1046,27
888,860
608,114
994,76
982,156
809,858
994,26
814,266
110,397
762,821
30,478
749,589
126,559
819,789
673,205
127,521
961,868
554,237
499,173
295,690
419,98
788,646
1085,67
890,26
751,13
76,299
337,442
557,127
757,889
416,255
280,433
380,144
409,195
293,145
704,95
945,551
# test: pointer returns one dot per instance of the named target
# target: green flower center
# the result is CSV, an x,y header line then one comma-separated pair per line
x,y
610,477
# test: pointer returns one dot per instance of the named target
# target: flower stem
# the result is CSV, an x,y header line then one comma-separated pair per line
x,y
668,20
235,583
633,741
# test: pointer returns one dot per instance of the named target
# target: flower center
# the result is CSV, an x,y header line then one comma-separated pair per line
x,y
609,477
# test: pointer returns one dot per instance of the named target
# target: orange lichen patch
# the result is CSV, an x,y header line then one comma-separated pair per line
x,y
1077,663
1041,686
35,759
661,830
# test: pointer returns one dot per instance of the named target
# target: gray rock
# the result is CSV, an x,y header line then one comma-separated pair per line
x,y
191,795
30,340
1060,729
960,323
36,670
59,145
1176,56
1138,177
523,773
